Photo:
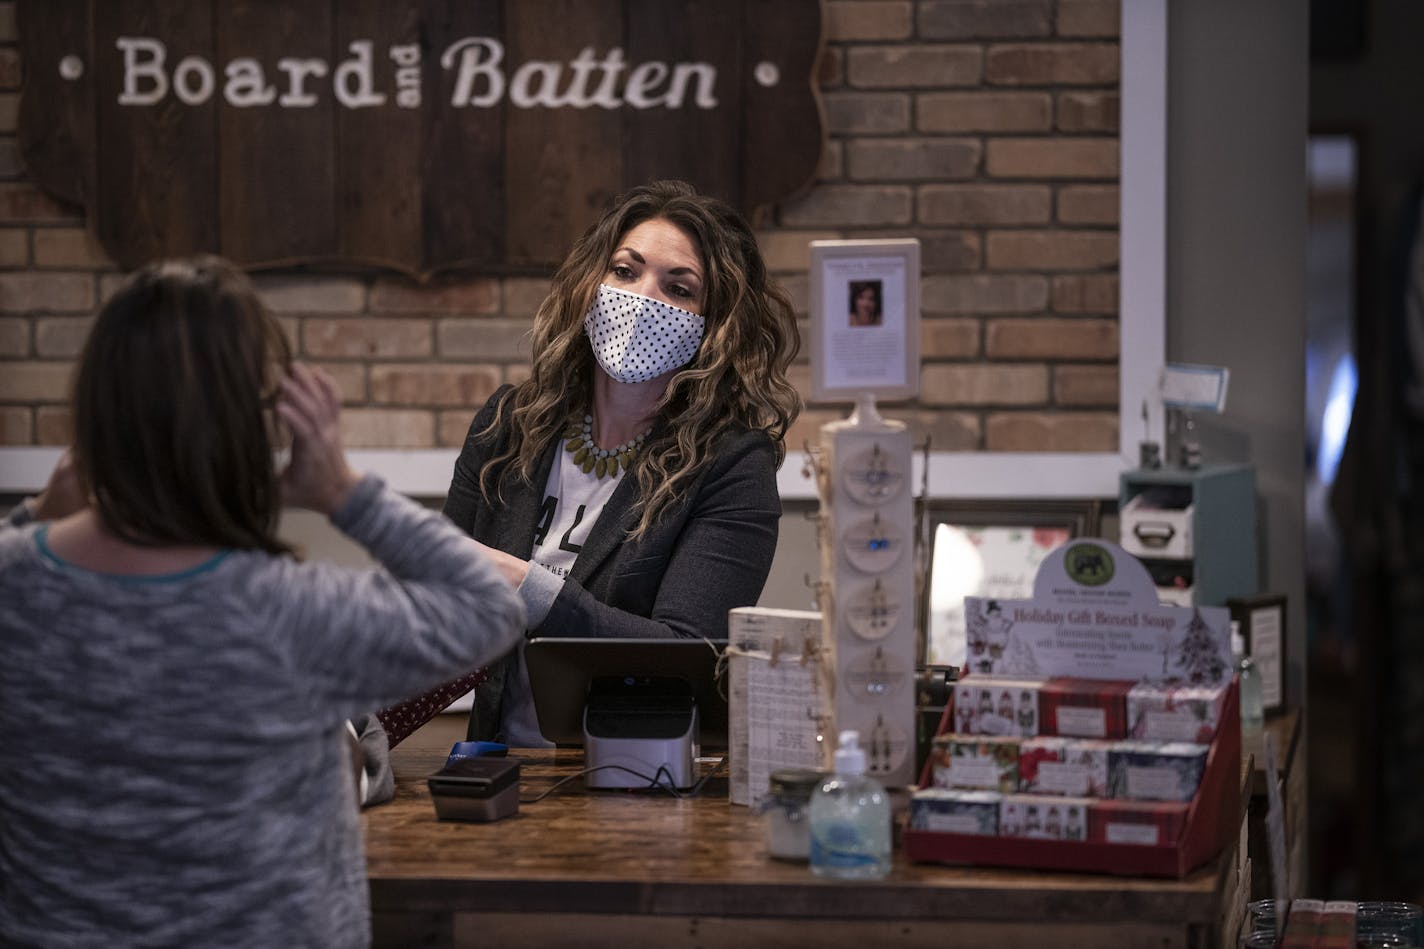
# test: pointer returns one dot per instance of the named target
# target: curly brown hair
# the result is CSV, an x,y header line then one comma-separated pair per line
x,y
737,380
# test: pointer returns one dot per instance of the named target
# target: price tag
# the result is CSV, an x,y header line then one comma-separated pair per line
x,y
1186,386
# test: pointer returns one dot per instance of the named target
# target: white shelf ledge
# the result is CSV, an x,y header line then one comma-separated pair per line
x,y
426,473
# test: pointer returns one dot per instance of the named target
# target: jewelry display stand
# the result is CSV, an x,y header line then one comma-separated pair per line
x,y
868,593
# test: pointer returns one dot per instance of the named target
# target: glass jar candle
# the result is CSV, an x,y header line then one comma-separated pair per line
x,y
1378,920
787,813
1262,914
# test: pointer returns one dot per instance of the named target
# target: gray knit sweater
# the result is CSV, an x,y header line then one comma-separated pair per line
x,y
173,768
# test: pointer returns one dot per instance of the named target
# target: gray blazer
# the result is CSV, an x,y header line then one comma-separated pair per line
x,y
703,557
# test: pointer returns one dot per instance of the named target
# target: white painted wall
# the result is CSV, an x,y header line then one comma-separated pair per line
x,y
1238,81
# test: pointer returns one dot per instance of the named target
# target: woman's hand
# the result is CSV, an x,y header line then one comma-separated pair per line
x,y
510,567
62,495
318,476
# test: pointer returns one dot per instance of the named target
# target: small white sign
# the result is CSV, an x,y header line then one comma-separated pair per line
x,y
953,823
1186,386
1146,834
974,773
1082,722
1266,627
1059,777
1155,783
1177,725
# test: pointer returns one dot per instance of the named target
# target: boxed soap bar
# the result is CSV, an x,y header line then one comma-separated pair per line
x,y
1302,924
987,706
979,762
1084,708
1155,771
1148,823
1076,767
956,812
1337,925
1158,712
1044,818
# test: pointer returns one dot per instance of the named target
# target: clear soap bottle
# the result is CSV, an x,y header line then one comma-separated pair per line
x,y
850,819
1253,715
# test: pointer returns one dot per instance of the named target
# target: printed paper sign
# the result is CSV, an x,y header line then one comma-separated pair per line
x,y
1186,386
1146,834
1156,783
1095,615
1059,777
974,772
1172,726
1266,627
953,823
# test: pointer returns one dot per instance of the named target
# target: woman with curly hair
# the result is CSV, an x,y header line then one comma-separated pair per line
x,y
631,479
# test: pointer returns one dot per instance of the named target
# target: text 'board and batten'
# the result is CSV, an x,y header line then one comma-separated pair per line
x,y
420,136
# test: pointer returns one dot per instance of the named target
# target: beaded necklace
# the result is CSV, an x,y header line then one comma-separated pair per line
x,y
603,462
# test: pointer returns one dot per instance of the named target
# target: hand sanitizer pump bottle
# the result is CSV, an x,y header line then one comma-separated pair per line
x,y
850,819
1253,716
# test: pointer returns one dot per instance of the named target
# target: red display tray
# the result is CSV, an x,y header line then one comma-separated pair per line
x,y
1213,821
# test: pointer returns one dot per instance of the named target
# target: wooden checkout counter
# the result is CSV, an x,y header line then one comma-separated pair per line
x,y
616,868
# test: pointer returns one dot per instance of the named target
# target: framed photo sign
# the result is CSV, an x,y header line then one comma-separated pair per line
x,y
990,549
865,319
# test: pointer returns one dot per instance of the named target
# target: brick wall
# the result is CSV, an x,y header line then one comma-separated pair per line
x,y
986,128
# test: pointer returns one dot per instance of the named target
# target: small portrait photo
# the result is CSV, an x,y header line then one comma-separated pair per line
x,y
865,303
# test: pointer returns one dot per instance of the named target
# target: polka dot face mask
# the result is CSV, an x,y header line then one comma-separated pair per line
x,y
636,338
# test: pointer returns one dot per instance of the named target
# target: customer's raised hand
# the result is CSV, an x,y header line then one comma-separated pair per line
x,y
318,476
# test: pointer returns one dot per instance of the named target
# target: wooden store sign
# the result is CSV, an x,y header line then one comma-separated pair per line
x,y
416,134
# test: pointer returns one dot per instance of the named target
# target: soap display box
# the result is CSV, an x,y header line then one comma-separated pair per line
x,y
1160,712
1072,767
975,762
1337,925
1139,823
999,707
959,812
1084,708
1302,924
1043,817
1075,767
1212,821
1155,771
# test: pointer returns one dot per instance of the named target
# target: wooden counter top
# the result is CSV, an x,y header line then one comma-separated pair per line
x,y
604,855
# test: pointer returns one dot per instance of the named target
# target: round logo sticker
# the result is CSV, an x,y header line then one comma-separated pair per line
x,y
1088,564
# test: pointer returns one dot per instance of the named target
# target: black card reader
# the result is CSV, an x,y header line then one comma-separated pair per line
x,y
476,789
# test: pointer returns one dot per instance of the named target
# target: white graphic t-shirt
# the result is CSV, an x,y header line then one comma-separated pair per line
x,y
572,502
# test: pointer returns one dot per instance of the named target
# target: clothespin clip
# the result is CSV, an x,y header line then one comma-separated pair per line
x,y
818,588
811,461
775,650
